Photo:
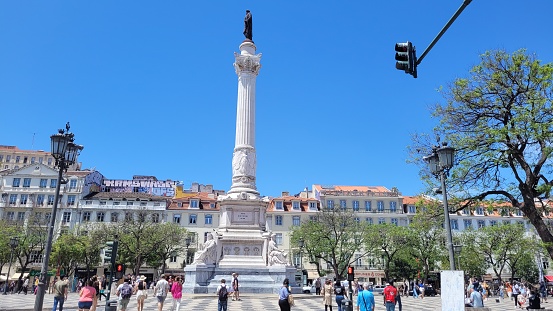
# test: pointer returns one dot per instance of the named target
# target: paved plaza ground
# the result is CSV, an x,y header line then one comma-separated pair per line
x,y
250,302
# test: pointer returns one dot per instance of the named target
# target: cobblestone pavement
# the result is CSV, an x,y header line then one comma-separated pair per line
x,y
250,302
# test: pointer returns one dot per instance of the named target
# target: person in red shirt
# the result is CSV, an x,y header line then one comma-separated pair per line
x,y
390,293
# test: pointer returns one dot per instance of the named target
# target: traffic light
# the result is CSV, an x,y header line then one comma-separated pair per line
x,y
119,270
110,253
406,58
351,274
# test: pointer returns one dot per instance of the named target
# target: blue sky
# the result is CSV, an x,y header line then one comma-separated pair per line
x,y
149,86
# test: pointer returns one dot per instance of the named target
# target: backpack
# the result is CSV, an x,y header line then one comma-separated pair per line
x,y
338,290
126,291
223,293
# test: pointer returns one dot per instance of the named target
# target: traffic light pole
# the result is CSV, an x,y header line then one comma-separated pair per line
x,y
451,20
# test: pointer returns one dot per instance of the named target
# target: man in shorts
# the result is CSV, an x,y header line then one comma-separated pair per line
x,y
160,291
122,303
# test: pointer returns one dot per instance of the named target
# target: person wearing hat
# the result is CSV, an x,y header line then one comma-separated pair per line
x,y
160,291
140,288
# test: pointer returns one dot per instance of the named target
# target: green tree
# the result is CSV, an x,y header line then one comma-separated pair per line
x,y
521,258
171,239
76,249
334,238
6,233
470,258
500,120
386,241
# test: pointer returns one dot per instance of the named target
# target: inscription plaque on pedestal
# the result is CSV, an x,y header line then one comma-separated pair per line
x,y
242,217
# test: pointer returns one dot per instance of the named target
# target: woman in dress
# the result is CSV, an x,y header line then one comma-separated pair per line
x,y
87,297
327,294
283,294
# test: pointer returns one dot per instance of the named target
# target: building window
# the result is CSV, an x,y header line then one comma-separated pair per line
x,y
173,259
51,199
20,216
114,217
380,206
157,203
278,220
103,202
208,219
193,203
116,203
343,204
357,220
53,183
192,220
40,199
47,217
128,217
176,218
212,205
520,222
296,205
454,224
155,217
297,259
278,205
13,199
36,257
33,159
394,221
481,224
17,158
278,238
23,199
26,182
412,209
73,184
312,205
43,183
369,220
49,161
467,223
16,182
296,221
465,211
368,206
479,211
356,206
493,223
1,157
330,204
381,221
143,203
393,206
40,160
129,203
8,158
70,200
86,216
100,216
506,222
10,215
518,212
67,217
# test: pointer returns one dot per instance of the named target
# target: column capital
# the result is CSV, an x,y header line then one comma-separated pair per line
x,y
247,63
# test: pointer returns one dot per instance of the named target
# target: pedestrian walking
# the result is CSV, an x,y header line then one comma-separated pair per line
x,y
222,296
60,292
327,295
389,295
160,291
87,296
365,299
124,293
176,291
516,292
318,286
235,287
339,291
283,295
141,293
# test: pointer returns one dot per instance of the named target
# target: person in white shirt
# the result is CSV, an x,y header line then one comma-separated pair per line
x,y
160,291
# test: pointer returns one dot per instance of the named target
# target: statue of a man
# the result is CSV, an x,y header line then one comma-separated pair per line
x,y
248,25
277,257
208,253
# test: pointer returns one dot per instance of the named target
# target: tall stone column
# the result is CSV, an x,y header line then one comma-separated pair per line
x,y
247,65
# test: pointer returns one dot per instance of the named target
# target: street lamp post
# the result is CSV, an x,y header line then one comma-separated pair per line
x,y
65,152
301,243
439,163
187,242
458,248
14,242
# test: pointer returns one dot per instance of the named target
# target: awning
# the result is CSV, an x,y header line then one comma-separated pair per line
x,y
549,278
2,278
15,276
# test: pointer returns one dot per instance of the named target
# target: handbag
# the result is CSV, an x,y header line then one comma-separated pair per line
x,y
290,300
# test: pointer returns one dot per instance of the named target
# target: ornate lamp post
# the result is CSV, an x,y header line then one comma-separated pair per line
x,y
301,244
458,248
439,163
187,242
14,242
65,152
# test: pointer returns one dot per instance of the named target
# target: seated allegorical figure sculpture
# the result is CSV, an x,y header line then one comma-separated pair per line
x,y
207,255
276,256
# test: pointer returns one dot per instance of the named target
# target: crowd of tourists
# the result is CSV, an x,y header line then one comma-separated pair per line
x,y
524,295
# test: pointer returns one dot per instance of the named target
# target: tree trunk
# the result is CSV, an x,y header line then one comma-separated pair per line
x,y
530,211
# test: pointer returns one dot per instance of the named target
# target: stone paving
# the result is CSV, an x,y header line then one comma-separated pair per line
x,y
250,302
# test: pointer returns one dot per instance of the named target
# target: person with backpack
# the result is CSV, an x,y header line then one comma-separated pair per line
x,y
160,291
222,294
124,292
339,292
390,294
